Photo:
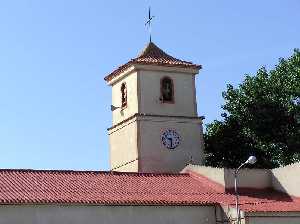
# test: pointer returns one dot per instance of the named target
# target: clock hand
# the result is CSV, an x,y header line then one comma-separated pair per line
x,y
171,140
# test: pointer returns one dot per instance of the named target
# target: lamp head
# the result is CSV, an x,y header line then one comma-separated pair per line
x,y
113,108
251,160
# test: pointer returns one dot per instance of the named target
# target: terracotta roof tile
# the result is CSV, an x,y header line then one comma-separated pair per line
x,y
268,200
114,188
152,55
251,199
94,187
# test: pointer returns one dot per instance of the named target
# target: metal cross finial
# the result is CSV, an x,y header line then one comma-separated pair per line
x,y
148,23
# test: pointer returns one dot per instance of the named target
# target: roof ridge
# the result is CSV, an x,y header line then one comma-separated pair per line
x,y
50,170
153,51
150,47
217,187
93,171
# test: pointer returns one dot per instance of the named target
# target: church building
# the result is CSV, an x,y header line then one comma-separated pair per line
x,y
156,157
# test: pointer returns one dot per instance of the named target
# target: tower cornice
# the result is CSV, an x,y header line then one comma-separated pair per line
x,y
139,116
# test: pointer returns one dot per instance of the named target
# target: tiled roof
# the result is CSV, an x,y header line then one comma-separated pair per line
x,y
114,188
94,187
152,55
268,200
251,199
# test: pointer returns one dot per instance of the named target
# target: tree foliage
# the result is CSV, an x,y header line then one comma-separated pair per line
x,y
261,117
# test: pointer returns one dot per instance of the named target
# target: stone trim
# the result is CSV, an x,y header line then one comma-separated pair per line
x,y
155,115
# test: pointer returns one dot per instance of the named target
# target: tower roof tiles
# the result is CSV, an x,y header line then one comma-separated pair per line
x,y
153,55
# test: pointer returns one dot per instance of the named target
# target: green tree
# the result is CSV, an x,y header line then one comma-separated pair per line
x,y
261,117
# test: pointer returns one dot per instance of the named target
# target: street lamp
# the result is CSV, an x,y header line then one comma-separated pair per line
x,y
250,160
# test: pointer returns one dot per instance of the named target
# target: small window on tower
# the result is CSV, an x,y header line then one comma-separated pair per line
x,y
124,95
167,90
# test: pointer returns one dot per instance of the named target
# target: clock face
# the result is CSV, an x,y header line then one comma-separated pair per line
x,y
170,139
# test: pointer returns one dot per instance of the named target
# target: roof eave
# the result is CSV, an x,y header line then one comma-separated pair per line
x,y
117,75
193,69
131,66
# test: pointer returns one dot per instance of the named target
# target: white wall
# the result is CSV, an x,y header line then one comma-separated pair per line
x,y
123,146
184,93
248,178
142,139
132,97
54,214
287,179
155,157
273,218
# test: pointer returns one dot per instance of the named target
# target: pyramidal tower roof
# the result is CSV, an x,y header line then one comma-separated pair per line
x,y
152,55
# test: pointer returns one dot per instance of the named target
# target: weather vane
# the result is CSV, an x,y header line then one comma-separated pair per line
x,y
148,23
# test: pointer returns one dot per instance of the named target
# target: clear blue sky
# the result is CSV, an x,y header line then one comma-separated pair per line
x,y
54,103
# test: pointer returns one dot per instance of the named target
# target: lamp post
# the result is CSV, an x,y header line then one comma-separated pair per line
x,y
250,160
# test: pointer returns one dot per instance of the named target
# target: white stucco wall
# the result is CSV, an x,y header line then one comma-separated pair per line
x,y
54,214
123,146
132,97
248,178
184,93
287,179
142,140
273,218
215,174
155,157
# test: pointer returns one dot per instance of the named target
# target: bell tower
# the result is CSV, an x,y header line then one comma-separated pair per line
x,y
155,127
